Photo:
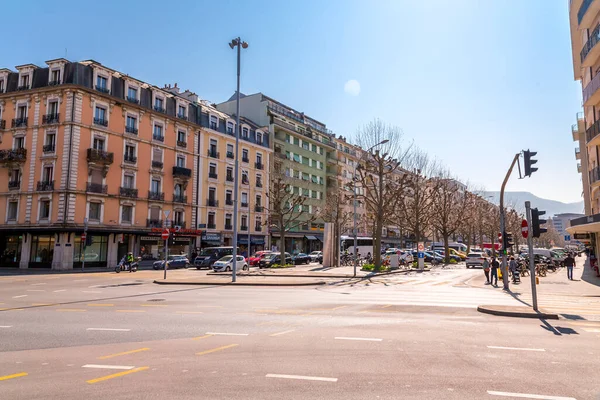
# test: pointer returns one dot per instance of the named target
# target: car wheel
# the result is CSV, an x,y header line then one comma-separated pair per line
x,y
245,267
227,269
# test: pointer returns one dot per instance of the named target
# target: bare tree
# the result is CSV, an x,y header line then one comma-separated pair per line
x,y
378,173
287,206
549,238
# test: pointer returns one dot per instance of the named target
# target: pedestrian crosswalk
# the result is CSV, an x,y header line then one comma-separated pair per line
x,y
566,305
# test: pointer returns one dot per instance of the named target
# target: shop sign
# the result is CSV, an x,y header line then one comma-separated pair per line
x,y
211,237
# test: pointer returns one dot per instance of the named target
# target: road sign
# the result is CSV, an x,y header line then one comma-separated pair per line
x,y
83,236
420,254
567,238
524,228
421,247
167,212
165,234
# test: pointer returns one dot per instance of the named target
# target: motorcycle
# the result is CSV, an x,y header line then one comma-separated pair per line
x,y
123,266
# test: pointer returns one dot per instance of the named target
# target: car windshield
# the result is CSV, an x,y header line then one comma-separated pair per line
x,y
207,252
475,255
226,259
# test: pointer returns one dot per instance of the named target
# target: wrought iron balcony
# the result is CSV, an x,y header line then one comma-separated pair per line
x,y
133,100
182,172
182,116
159,109
179,198
154,223
131,129
228,227
158,137
45,186
245,159
228,202
244,205
100,156
128,158
211,226
212,202
245,181
180,224
100,121
156,195
243,227
592,131
103,89
181,144
2,124
50,119
13,185
23,87
17,155
128,192
157,164
96,188
213,153
258,165
258,228
259,184
258,208
229,178
595,175
213,175
230,154
583,9
54,83
19,122
593,39
49,148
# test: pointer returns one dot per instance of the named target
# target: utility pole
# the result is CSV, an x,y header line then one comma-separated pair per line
x,y
531,256
503,222
85,228
354,225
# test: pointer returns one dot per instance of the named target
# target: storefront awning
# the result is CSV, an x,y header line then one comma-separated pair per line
x,y
594,227
311,237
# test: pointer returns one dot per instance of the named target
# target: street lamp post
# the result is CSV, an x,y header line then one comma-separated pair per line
x,y
239,44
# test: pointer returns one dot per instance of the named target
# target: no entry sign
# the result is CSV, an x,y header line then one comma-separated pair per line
x,y
524,228
165,234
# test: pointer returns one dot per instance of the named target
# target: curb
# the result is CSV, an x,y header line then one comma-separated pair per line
x,y
158,282
526,313
324,277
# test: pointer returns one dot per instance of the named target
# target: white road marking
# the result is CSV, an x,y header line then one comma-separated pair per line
x,y
35,290
591,330
226,334
282,333
108,329
5,326
529,396
80,280
359,338
514,348
91,291
38,284
107,366
17,297
306,378
59,290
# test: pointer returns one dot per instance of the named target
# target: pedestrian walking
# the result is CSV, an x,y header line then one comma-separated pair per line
x,y
514,269
494,272
569,263
486,270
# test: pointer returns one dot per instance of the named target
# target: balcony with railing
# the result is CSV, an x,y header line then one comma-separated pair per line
x,y
577,154
158,137
211,226
182,172
11,156
245,159
23,87
589,52
258,165
213,153
243,227
45,186
133,100
128,192
228,202
2,124
592,131
14,185
19,122
182,116
228,227
591,94
258,208
229,178
157,164
100,156
213,175
259,184
48,148
131,129
100,121
54,82
102,89
181,144
230,154
244,205
96,188
212,202
159,109
595,175
179,198
180,224
587,12
258,228
154,223
49,119
245,180
159,196
128,158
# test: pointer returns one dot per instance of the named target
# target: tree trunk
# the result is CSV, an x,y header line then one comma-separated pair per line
x,y
377,241
282,238
446,248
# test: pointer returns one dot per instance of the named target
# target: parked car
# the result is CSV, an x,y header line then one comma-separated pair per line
x,y
301,258
402,255
428,256
255,258
209,255
441,253
314,256
475,259
172,262
273,259
226,264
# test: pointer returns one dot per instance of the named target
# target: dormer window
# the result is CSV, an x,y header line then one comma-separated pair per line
x,y
132,95
181,112
54,77
1,85
245,133
159,104
259,138
24,82
102,84
214,122
230,127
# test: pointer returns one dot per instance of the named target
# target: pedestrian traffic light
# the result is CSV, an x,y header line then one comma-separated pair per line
x,y
529,162
536,222
89,240
507,240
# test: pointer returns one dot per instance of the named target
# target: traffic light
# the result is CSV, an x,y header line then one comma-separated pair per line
x,y
536,222
529,162
507,240
89,240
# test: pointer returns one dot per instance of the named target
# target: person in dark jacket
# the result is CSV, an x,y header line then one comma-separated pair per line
x,y
494,272
569,263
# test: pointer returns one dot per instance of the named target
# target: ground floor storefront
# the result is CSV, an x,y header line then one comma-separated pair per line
x,y
298,243
217,239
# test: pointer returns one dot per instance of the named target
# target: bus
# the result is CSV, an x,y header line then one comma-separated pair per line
x,y
456,246
364,245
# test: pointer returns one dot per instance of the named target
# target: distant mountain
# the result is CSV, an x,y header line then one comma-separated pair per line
x,y
551,207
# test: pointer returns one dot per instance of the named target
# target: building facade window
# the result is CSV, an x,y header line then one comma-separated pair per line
x,y
228,219
230,127
181,161
214,122
259,137
245,133
228,198
101,83
155,185
132,94
11,213
95,210
45,209
245,157
126,213
128,181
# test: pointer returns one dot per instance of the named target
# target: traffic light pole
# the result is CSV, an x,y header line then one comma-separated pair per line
x,y
503,222
531,256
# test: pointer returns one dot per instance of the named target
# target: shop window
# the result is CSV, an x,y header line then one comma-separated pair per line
x,y
96,251
42,249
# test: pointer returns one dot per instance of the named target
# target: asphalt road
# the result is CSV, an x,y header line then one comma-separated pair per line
x,y
119,336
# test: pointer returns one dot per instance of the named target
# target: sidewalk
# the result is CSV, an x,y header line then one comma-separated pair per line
x,y
225,280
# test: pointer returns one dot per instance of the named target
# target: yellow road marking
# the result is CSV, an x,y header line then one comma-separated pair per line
x,y
43,304
201,337
100,305
154,305
6,377
441,283
282,333
423,282
123,353
266,323
408,281
216,349
118,374
387,305
71,309
130,311
189,312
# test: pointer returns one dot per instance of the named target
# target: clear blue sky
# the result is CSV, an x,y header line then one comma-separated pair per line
x,y
472,82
